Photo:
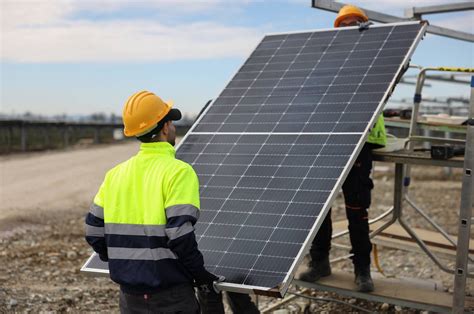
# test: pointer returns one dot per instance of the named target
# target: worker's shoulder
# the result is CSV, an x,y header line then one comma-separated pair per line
x,y
118,167
180,165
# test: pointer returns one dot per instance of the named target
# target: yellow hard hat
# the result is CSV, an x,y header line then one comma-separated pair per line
x,y
143,111
349,11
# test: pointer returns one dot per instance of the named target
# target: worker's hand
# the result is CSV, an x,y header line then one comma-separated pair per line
x,y
214,284
364,25
209,285
104,257
205,278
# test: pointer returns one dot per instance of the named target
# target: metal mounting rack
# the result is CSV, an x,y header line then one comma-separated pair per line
x,y
411,14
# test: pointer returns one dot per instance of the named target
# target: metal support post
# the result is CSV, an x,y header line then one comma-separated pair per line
x,y
47,141
97,135
397,200
465,215
23,137
66,136
416,12
9,139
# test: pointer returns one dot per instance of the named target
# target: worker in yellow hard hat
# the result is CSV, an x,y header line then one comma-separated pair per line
x,y
143,216
357,196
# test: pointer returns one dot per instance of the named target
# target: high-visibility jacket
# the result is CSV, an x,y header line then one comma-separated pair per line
x,y
142,221
378,135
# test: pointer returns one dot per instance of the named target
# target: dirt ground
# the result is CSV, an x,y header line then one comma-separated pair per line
x,y
33,184
45,196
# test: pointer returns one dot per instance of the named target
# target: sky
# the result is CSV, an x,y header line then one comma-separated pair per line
x,y
85,56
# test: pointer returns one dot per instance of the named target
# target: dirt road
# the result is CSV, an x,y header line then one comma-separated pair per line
x,y
37,183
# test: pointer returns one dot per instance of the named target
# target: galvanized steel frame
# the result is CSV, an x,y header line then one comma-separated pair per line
x,y
465,215
334,6
401,184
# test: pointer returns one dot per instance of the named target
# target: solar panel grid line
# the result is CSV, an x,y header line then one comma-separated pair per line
x,y
343,176
307,86
295,166
204,232
239,134
247,168
280,177
323,67
334,78
294,194
275,201
255,79
260,270
256,240
320,217
265,227
250,212
278,133
294,79
275,189
269,214
250,254
295,56
210,105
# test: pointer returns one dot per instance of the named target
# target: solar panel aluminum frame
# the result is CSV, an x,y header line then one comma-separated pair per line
x,y
280,290
307,244
94,271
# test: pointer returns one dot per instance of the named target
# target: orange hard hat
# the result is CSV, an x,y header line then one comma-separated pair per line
x,y
349,11
142,112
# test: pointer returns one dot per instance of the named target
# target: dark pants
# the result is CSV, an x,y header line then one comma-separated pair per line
x,y
357,196
177,299
211,303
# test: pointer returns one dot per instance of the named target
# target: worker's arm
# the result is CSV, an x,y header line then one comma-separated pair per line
x,y
95,231
182,212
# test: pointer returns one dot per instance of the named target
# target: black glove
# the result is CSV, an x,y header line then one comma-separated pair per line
x,y
364,25
104,257
206,282
205,277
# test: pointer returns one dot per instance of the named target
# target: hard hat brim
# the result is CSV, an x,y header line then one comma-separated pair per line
x,y
174,115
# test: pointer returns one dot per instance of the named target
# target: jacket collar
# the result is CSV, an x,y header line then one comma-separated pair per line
x,y
158,148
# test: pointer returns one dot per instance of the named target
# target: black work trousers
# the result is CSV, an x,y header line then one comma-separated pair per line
x,y
176,299
357,196
211,303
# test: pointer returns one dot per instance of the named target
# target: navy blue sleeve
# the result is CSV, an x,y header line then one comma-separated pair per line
x,y
182,240
95,231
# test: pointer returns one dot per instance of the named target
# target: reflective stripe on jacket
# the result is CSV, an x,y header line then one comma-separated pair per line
x,y
378,135
142,221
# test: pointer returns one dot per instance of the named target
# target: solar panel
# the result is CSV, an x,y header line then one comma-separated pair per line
x,y
274,148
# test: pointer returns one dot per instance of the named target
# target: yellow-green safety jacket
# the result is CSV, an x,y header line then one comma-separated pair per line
x,y
142,221
378,135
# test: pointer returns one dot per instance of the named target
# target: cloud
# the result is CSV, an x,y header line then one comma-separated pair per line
x,y
464,22
135,41
65,31
47,31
